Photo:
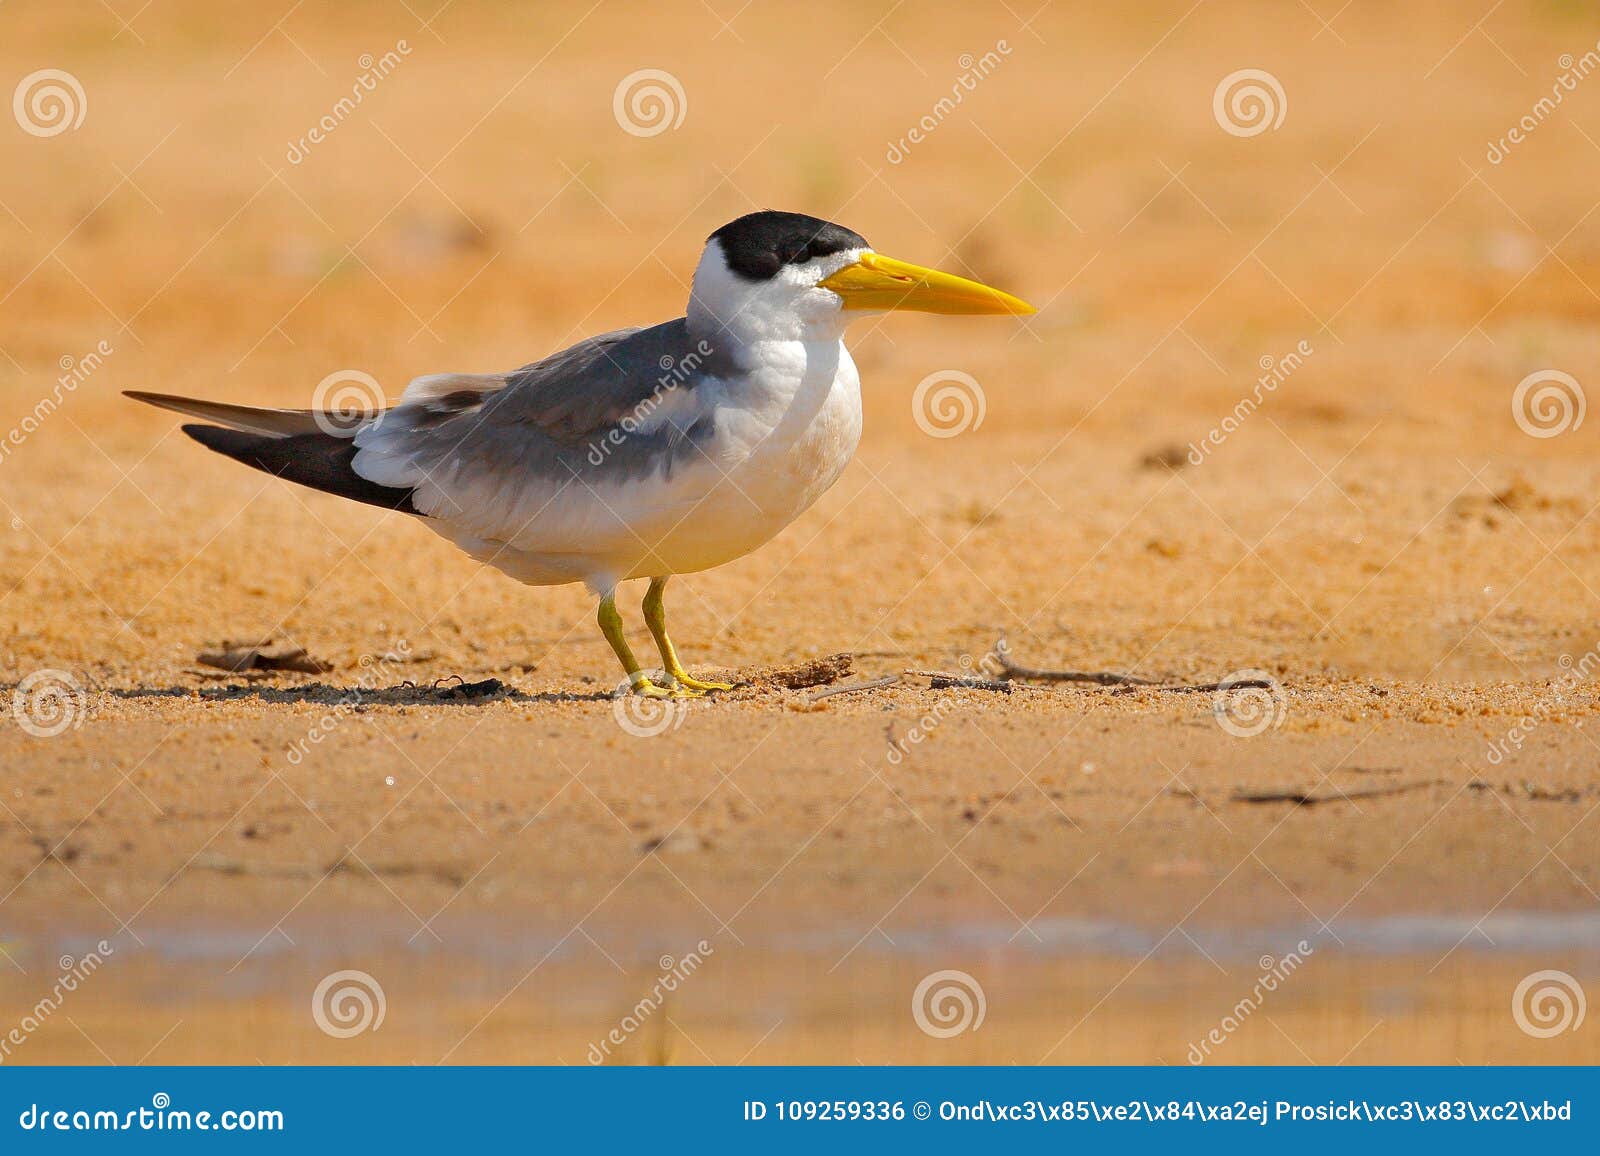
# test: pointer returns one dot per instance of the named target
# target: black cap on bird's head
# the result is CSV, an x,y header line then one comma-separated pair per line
x,y
758,247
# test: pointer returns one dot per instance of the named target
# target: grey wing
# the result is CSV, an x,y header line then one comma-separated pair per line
x,y
594,384
496,452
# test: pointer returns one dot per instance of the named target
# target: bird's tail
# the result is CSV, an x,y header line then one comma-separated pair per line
x,y
276,423
292,444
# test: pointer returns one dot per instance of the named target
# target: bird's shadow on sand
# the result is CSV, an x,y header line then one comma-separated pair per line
x,y
456,691
446,692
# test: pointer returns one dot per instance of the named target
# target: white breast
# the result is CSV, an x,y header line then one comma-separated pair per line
x,y
778,449
784,434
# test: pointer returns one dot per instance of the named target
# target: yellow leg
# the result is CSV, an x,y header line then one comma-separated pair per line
x,y
611,626
655,616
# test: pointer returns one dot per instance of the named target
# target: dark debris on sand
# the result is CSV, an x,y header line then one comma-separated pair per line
x,y
265,655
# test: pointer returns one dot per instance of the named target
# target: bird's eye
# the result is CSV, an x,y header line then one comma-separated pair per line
x,y
794,252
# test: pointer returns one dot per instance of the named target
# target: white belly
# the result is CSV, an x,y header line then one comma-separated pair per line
x,y
782,438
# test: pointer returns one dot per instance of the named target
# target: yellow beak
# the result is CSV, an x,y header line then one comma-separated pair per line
x,y
879,282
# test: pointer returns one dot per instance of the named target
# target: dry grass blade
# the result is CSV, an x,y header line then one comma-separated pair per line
x,y
852,687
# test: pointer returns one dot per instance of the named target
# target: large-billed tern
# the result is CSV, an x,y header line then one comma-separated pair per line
x,y
640,453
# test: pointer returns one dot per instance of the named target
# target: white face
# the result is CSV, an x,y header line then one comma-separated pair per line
x,y
789,306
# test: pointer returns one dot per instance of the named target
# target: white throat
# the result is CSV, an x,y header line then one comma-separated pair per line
x,y
733,312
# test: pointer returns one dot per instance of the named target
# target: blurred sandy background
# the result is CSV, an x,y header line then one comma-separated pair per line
x,y
1382,535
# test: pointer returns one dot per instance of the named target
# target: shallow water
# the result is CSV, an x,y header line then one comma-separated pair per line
x,y
492,941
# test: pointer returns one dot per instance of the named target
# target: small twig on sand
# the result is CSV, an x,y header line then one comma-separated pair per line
x,y
1122,683
1010,671
1311,799
850,687
1206,687
944,680
1002,653
442,872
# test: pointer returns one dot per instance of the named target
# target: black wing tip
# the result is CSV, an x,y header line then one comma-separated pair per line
x,y
319,461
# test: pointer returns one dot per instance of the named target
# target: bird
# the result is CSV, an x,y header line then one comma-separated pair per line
x,y
644,452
